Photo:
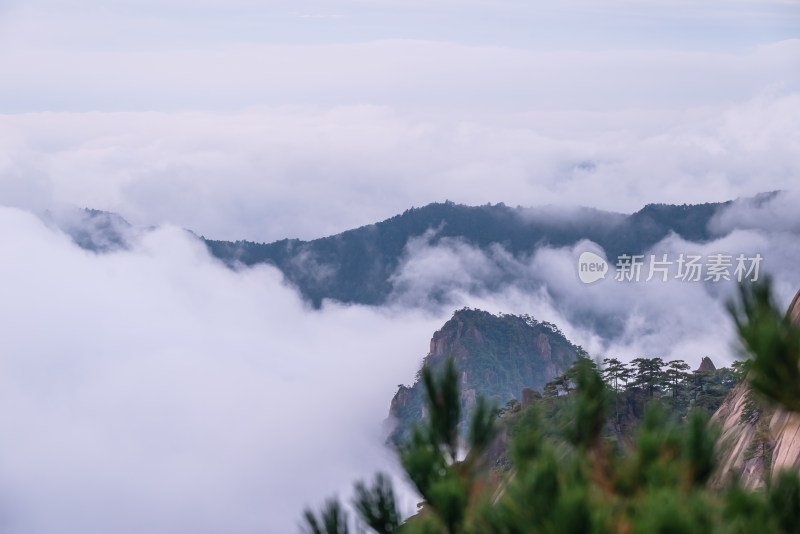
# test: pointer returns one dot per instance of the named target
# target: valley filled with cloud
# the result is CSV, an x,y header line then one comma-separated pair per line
x,y
150,388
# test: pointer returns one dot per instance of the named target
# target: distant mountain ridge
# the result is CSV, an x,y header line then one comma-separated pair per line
x,y
361,265
357,266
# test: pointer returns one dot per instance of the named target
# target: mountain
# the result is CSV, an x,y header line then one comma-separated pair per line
x,y
362,265
93,230
497,356
357,266
504,357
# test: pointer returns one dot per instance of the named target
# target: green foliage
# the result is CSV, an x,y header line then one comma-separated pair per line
x,y
646,379
332,519
739,370
772,340
655,458
776,511
615,372
656,485
699,448
590,404
784,500
361,262
675,374
429,458
445,407
751,412
422,460
568,476
498,356
528,443
511,407
483,428
746,512
649,374
377,506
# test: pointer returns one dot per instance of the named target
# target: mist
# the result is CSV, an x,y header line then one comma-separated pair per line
x,y
307,172
675,319
155,390
147,388
150,388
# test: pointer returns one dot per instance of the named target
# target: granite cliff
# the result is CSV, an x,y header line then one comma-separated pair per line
x,y
497,355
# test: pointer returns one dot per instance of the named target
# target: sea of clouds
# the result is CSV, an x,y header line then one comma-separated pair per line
x,y
150,389
153,389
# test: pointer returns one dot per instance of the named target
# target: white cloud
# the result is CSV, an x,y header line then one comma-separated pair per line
x,y
777,214
153,390
271,173
157,391
673,320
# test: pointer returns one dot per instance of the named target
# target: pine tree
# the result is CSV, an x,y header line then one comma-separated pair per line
x,y
675,374
575,481
774,342
649,374
613,371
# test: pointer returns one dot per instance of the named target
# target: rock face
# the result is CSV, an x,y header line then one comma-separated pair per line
x,y
740,452
756,441
528,396
707,365
794,309
497,356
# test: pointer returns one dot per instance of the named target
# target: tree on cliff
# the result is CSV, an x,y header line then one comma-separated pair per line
x,y
675,374
649,374
578,482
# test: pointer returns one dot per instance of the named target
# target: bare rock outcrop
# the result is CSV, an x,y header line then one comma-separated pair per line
x,y
707,365
528,396
737,442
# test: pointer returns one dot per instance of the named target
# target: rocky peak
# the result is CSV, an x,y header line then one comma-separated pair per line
x,y
497,356
706,365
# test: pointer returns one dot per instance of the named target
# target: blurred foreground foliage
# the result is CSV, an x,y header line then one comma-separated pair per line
x,y
569,477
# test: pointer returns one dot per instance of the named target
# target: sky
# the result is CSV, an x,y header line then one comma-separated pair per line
x,y
265,120
153,390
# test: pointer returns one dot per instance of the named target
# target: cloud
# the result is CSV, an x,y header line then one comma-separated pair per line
x,y
154,390
273,173
429,273
775,214
674,319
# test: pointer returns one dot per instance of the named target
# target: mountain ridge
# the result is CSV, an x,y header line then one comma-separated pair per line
x,y
365,265
356,266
